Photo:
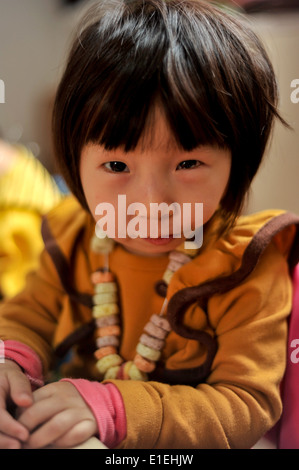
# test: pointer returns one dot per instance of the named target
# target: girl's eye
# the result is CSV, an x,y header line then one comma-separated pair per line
x,y
189,164
116,167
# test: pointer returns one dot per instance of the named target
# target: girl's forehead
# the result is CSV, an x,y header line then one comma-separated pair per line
x,y
157,133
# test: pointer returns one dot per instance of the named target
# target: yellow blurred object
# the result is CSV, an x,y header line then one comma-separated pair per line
x,y
27,192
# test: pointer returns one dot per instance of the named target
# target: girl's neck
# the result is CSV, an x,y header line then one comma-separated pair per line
x,y
147,255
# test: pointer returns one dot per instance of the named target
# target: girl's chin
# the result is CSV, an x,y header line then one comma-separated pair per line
x,y
151,246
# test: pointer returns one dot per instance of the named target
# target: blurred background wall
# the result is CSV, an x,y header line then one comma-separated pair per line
x,y
277,183
34,40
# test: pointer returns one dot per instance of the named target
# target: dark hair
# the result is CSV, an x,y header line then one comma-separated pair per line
x,y
201,63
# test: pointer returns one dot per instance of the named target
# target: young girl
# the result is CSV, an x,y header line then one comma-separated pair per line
x,y
164,346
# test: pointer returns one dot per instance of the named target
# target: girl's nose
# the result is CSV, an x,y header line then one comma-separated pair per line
x,y
154,189
159,210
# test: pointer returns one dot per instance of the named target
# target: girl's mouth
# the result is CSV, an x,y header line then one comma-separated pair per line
x,y
159,240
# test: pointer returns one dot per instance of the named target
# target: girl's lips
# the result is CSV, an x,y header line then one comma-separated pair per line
x,y
159,241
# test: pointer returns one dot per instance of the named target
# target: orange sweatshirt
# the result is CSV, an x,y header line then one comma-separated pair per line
x,y
217,385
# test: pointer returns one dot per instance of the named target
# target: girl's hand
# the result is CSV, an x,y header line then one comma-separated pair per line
x,y
15,390
59,417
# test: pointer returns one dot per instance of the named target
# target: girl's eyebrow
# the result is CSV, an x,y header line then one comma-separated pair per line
x,y
101,151
146,143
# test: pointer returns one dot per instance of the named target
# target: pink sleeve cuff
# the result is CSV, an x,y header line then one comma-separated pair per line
x,y
27,359
289,430
107,406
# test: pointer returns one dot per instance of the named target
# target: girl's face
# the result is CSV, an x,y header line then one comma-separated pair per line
x,y
157,171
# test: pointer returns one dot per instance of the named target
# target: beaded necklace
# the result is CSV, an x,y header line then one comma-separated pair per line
x,y
106,313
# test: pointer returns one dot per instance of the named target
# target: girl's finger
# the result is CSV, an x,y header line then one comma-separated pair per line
x,y
52,430
20,389
7,442
40,412
76,435
11,428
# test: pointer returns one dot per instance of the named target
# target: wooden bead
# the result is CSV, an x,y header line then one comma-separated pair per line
x,y
105,287
143,364
102,276
101,244
106,351
180,257
151,342
107,341
167,276
106,362
112,372
107,320
148,353
161,322
136,374
123,373
105,298
174,265
155,331
104,310
109,330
